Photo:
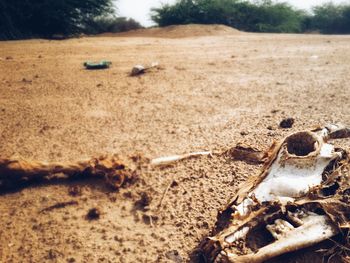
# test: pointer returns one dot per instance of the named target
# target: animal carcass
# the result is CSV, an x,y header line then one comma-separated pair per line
x,y
300,198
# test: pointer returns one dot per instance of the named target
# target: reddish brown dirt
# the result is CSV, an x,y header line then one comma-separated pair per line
x,y
209,94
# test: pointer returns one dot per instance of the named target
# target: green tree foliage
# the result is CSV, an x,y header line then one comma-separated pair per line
x,y
257,16
331,19
277,17
45,18
261,16
111,24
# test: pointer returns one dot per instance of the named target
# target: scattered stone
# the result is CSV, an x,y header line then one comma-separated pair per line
x,y
287,123
143,202
174,184
74,190
52,254
149,219
271,134
26,80
244,133
93,214
205,225
112,197
174,256
128,194
9,58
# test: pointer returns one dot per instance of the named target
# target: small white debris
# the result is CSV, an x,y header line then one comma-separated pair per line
x,y
174,158
140,69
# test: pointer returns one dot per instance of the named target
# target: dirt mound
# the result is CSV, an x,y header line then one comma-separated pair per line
x,y
180,31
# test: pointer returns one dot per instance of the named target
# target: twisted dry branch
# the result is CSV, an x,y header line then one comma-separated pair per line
x,y
15,173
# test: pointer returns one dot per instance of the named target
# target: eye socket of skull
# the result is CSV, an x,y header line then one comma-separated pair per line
x,y
301,143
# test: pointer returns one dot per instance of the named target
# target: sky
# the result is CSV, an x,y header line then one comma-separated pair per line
x,y
140,9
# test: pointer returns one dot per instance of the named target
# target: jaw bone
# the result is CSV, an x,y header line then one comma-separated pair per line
x,y
288,206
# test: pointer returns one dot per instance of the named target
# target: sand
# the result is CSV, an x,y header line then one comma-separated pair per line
x,y
210,93
178,31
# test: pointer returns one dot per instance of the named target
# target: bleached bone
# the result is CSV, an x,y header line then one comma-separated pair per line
x,y
297,166
315,228
174,158
282,205
140,69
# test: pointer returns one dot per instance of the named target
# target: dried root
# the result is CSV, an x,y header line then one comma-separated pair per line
x,y
15,173
58,205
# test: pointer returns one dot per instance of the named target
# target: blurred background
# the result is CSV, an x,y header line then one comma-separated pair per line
x,y
21,19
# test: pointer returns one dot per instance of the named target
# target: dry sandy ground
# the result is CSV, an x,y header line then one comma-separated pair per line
x,y
210,93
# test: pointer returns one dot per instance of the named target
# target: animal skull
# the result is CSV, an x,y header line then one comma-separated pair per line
x,y
299,199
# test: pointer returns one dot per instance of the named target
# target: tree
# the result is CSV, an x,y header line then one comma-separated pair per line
x,y
278,17
111,24
45,18
331,19
260,16
182,12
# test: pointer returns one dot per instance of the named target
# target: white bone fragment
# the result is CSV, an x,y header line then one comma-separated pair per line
x,y
295,218
237,235
279,228
243,208
137,70
315,229
140,69
174,158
